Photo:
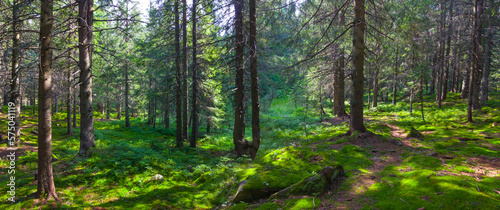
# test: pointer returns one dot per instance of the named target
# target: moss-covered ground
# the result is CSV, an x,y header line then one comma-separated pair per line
x,y
456,165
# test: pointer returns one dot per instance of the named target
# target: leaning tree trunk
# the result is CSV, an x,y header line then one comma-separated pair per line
x,y
85,20
358,56
15,90
178,98
195,114
45,178
239,100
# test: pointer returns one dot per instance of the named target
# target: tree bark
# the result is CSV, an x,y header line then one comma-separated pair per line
x,y
476,105
45,178
476,41
358,55
85,20
487,55
178,98
239,109
254,77
194,100
375,89
70,92
447,57
127,86
395,79
440,70
15,88
184,73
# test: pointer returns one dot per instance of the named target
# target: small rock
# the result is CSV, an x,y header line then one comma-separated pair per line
x,y
156,177
399,143
58,124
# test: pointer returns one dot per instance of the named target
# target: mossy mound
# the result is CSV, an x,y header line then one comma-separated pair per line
x,y
303,203
269,206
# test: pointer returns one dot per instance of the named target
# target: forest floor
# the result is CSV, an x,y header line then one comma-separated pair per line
x,y
455,165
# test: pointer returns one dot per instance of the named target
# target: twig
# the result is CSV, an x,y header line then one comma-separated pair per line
x,y
404,201
477,187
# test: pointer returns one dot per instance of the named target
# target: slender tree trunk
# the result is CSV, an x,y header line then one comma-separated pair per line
x,y
195,114
341,86
85,20
476,105
467,76
476,41
45,178
487,55
358,55
166,119
433,74
178,98
184,73
254,77
15,88
239,101
127,85
74,109
395,79
70,92
336,75
447,57
440,70
375,89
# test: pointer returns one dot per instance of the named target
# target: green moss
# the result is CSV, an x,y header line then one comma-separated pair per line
x,y
464,169
239,206
269,206
304,203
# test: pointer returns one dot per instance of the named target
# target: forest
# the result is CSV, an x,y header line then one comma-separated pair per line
x,y
249,104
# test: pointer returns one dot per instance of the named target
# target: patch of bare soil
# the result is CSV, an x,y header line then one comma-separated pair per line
x,y
385,153
337,120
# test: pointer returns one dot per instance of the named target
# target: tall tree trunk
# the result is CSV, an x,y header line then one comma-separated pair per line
x,y
15,90
341,85
476,105
476,42
166,119
85,20
70,92
254,77
487,55
448,47
184,73
239,100
440,70
336,79
45,176
178,98
195,114
127,86
358,56
395,79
